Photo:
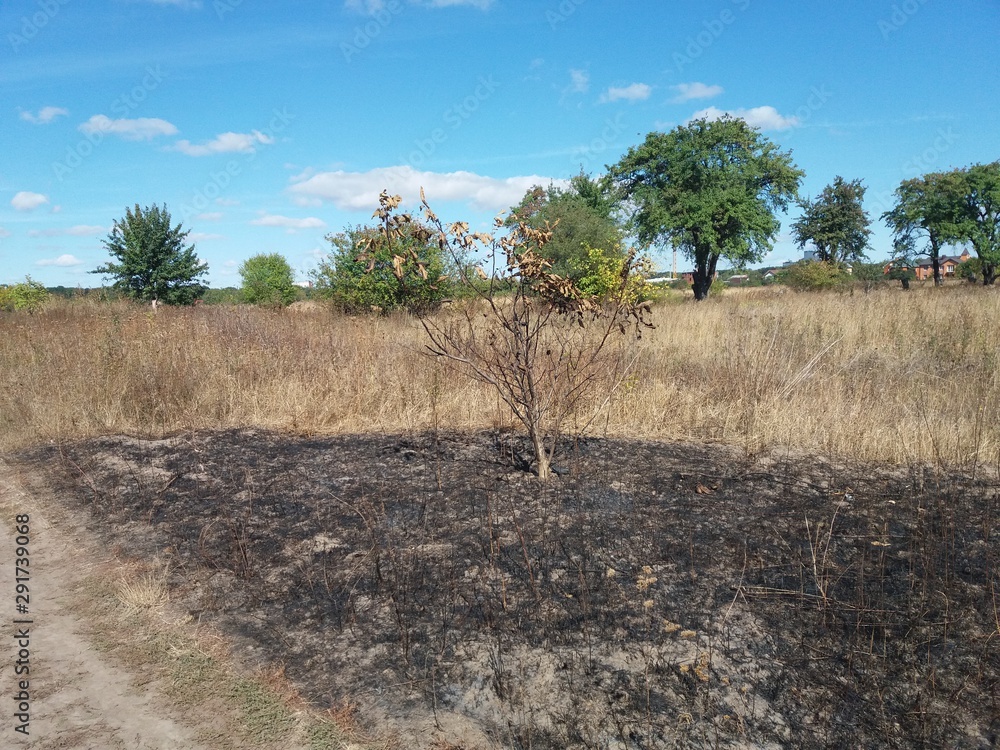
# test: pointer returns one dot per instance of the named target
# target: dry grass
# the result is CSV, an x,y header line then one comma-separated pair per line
x,y
887,376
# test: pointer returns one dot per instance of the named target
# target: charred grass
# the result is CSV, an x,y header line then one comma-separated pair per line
x,y
653,595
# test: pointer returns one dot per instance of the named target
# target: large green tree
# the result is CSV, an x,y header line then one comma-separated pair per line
x,y
710,188
979,216
836,223
581,217
927,207
153,263
267,280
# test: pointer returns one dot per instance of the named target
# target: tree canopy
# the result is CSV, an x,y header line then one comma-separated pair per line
x,y
979,215
267,280
363,271
153,262
581,219
929,206
835,223
710,188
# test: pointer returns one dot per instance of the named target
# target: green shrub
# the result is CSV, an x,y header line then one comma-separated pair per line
x,y
267,280
815,275
376,283
28,295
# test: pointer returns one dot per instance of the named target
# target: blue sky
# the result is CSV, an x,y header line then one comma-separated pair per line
x,y
263,126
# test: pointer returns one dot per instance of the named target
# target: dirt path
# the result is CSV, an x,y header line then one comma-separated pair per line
x,y
79,698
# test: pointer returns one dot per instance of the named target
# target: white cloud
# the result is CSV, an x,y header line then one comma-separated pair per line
x,y
203,236
359,191
27,201
688,91
765,118
141,129
633,93
227,202
4,233
579,81
271,220
80,230
45,115
210,216
62,261
225,143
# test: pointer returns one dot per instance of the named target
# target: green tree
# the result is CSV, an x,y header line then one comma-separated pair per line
x,y
711,189
581,218
267,280
926,206
835,223
28,295
153,263
364,273
979,216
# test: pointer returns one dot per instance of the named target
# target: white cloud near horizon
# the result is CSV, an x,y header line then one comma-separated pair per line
x,y
634,92
140,129
80,230
28,201
204,236
359,191
292,224
765,118
225,143
63,261
688,91
45,115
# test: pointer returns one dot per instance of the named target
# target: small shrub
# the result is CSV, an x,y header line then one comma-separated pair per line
x,y
28,295
815,275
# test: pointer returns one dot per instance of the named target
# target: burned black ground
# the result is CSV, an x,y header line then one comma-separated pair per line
x,y
653,596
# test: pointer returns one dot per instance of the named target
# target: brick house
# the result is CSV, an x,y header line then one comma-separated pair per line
x,y
924,269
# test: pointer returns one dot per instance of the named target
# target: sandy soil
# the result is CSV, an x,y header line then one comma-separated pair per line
x,y
79,697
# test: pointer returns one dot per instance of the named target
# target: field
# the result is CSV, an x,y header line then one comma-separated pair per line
x,y
781,534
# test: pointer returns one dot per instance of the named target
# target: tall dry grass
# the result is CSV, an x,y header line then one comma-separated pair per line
x,y
886,376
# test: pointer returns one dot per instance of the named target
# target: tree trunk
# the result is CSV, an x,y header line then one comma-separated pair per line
x,y
542,459
704,274
989,274
936,262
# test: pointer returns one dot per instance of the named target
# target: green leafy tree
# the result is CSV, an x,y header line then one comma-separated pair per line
x,y
267,280
27,295
365,273
153,263
979,216
711,189
835,223
927,207
581,218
